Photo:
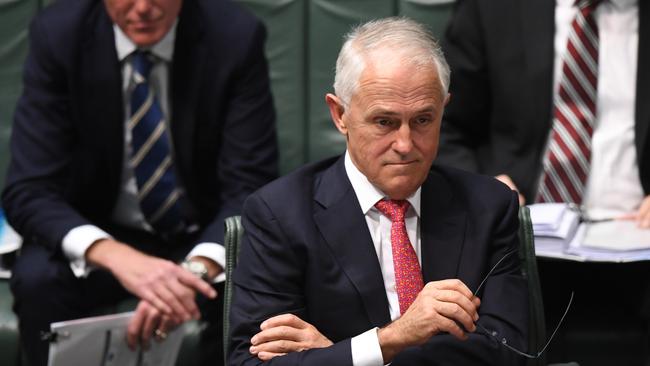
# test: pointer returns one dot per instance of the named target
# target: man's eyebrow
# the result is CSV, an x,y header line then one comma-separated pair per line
x,y
387,112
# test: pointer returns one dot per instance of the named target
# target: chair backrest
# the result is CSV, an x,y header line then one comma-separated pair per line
x,y
536,320
232,238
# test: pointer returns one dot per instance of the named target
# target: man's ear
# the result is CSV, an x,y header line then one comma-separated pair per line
x,y
337,110
447,99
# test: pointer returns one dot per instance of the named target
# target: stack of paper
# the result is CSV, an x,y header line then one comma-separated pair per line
x,y
554,225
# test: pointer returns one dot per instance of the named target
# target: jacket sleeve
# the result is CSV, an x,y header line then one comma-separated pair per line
x,y
268,283
42,144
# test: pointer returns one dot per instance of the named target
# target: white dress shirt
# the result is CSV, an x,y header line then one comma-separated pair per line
x,y
613,187
365,347
127,210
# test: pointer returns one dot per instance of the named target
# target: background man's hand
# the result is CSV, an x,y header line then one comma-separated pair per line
x,y
505,179
442,306
147,320
161,283
286,333
642,216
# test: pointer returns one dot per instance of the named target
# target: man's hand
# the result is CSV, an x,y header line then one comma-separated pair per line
x,y
163,284
145,323
286,333
642,216
442,306
505,179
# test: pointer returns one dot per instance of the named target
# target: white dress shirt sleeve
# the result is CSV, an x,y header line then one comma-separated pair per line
x,y
213,251
75,244
366,350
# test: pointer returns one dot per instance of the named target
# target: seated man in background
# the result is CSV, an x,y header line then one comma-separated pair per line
x,y
142,125
547,97
375,257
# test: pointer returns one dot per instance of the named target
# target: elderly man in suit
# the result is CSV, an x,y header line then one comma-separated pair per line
x,y
142,125
377,257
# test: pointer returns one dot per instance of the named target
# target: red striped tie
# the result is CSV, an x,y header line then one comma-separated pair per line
x,y
408,275
566,164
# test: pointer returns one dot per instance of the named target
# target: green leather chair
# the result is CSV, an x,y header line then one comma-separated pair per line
x,y
232,237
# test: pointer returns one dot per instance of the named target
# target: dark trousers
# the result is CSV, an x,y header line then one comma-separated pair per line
x,y
45,290
608,321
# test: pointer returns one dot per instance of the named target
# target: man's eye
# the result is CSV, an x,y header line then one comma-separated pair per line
x,y
422,120
384,122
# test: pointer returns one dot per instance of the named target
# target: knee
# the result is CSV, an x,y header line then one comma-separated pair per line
x,y
36,276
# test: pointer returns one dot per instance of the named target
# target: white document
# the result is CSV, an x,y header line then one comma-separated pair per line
x,y
101,341
616,235
579,251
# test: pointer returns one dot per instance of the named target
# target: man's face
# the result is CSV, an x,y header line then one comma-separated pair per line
x,y
145,22
392,123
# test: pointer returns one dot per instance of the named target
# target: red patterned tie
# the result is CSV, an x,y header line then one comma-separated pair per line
x,y
567,160
408,276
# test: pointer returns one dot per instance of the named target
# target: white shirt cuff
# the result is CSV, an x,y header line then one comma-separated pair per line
x,y
75,244
366,350
213,251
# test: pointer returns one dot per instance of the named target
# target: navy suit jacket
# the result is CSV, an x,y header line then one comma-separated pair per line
x,y
499,116
307,251
68,135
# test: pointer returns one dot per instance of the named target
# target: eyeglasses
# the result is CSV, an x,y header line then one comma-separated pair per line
x,y
502,340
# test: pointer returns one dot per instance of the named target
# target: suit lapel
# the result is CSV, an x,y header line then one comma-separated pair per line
x,y
442,230
642,112
344,228
186,70
538,24
100,79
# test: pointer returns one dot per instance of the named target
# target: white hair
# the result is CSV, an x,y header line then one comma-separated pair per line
x,y
400,35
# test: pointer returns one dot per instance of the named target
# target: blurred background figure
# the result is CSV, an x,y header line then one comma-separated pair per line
x,y
550,98
142,125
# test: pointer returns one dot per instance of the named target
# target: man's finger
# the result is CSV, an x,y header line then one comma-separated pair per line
x,y
452,284
266,356
152,298
163,291
133,328
185,297
284,319
195,283
275,334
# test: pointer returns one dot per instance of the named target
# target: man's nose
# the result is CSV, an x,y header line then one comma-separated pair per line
x,y
403,143
142,6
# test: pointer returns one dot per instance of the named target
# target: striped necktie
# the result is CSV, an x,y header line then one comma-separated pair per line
x,y
151,157
408,275
567,160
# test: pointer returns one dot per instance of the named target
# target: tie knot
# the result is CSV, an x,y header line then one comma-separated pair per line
x,y
142,63
393,209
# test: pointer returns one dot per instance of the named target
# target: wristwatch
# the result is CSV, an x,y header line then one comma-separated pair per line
x,y
197,268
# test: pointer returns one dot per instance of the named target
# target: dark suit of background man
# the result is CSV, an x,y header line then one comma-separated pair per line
x,y
506,58
71,191
324,272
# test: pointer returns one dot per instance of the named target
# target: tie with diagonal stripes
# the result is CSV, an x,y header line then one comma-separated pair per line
x,y
567,160
151,156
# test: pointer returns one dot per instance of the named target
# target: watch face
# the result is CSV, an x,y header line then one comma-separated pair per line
x,y
197,268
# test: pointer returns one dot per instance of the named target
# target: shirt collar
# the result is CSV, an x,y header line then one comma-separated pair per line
x,y
367,193
163,50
